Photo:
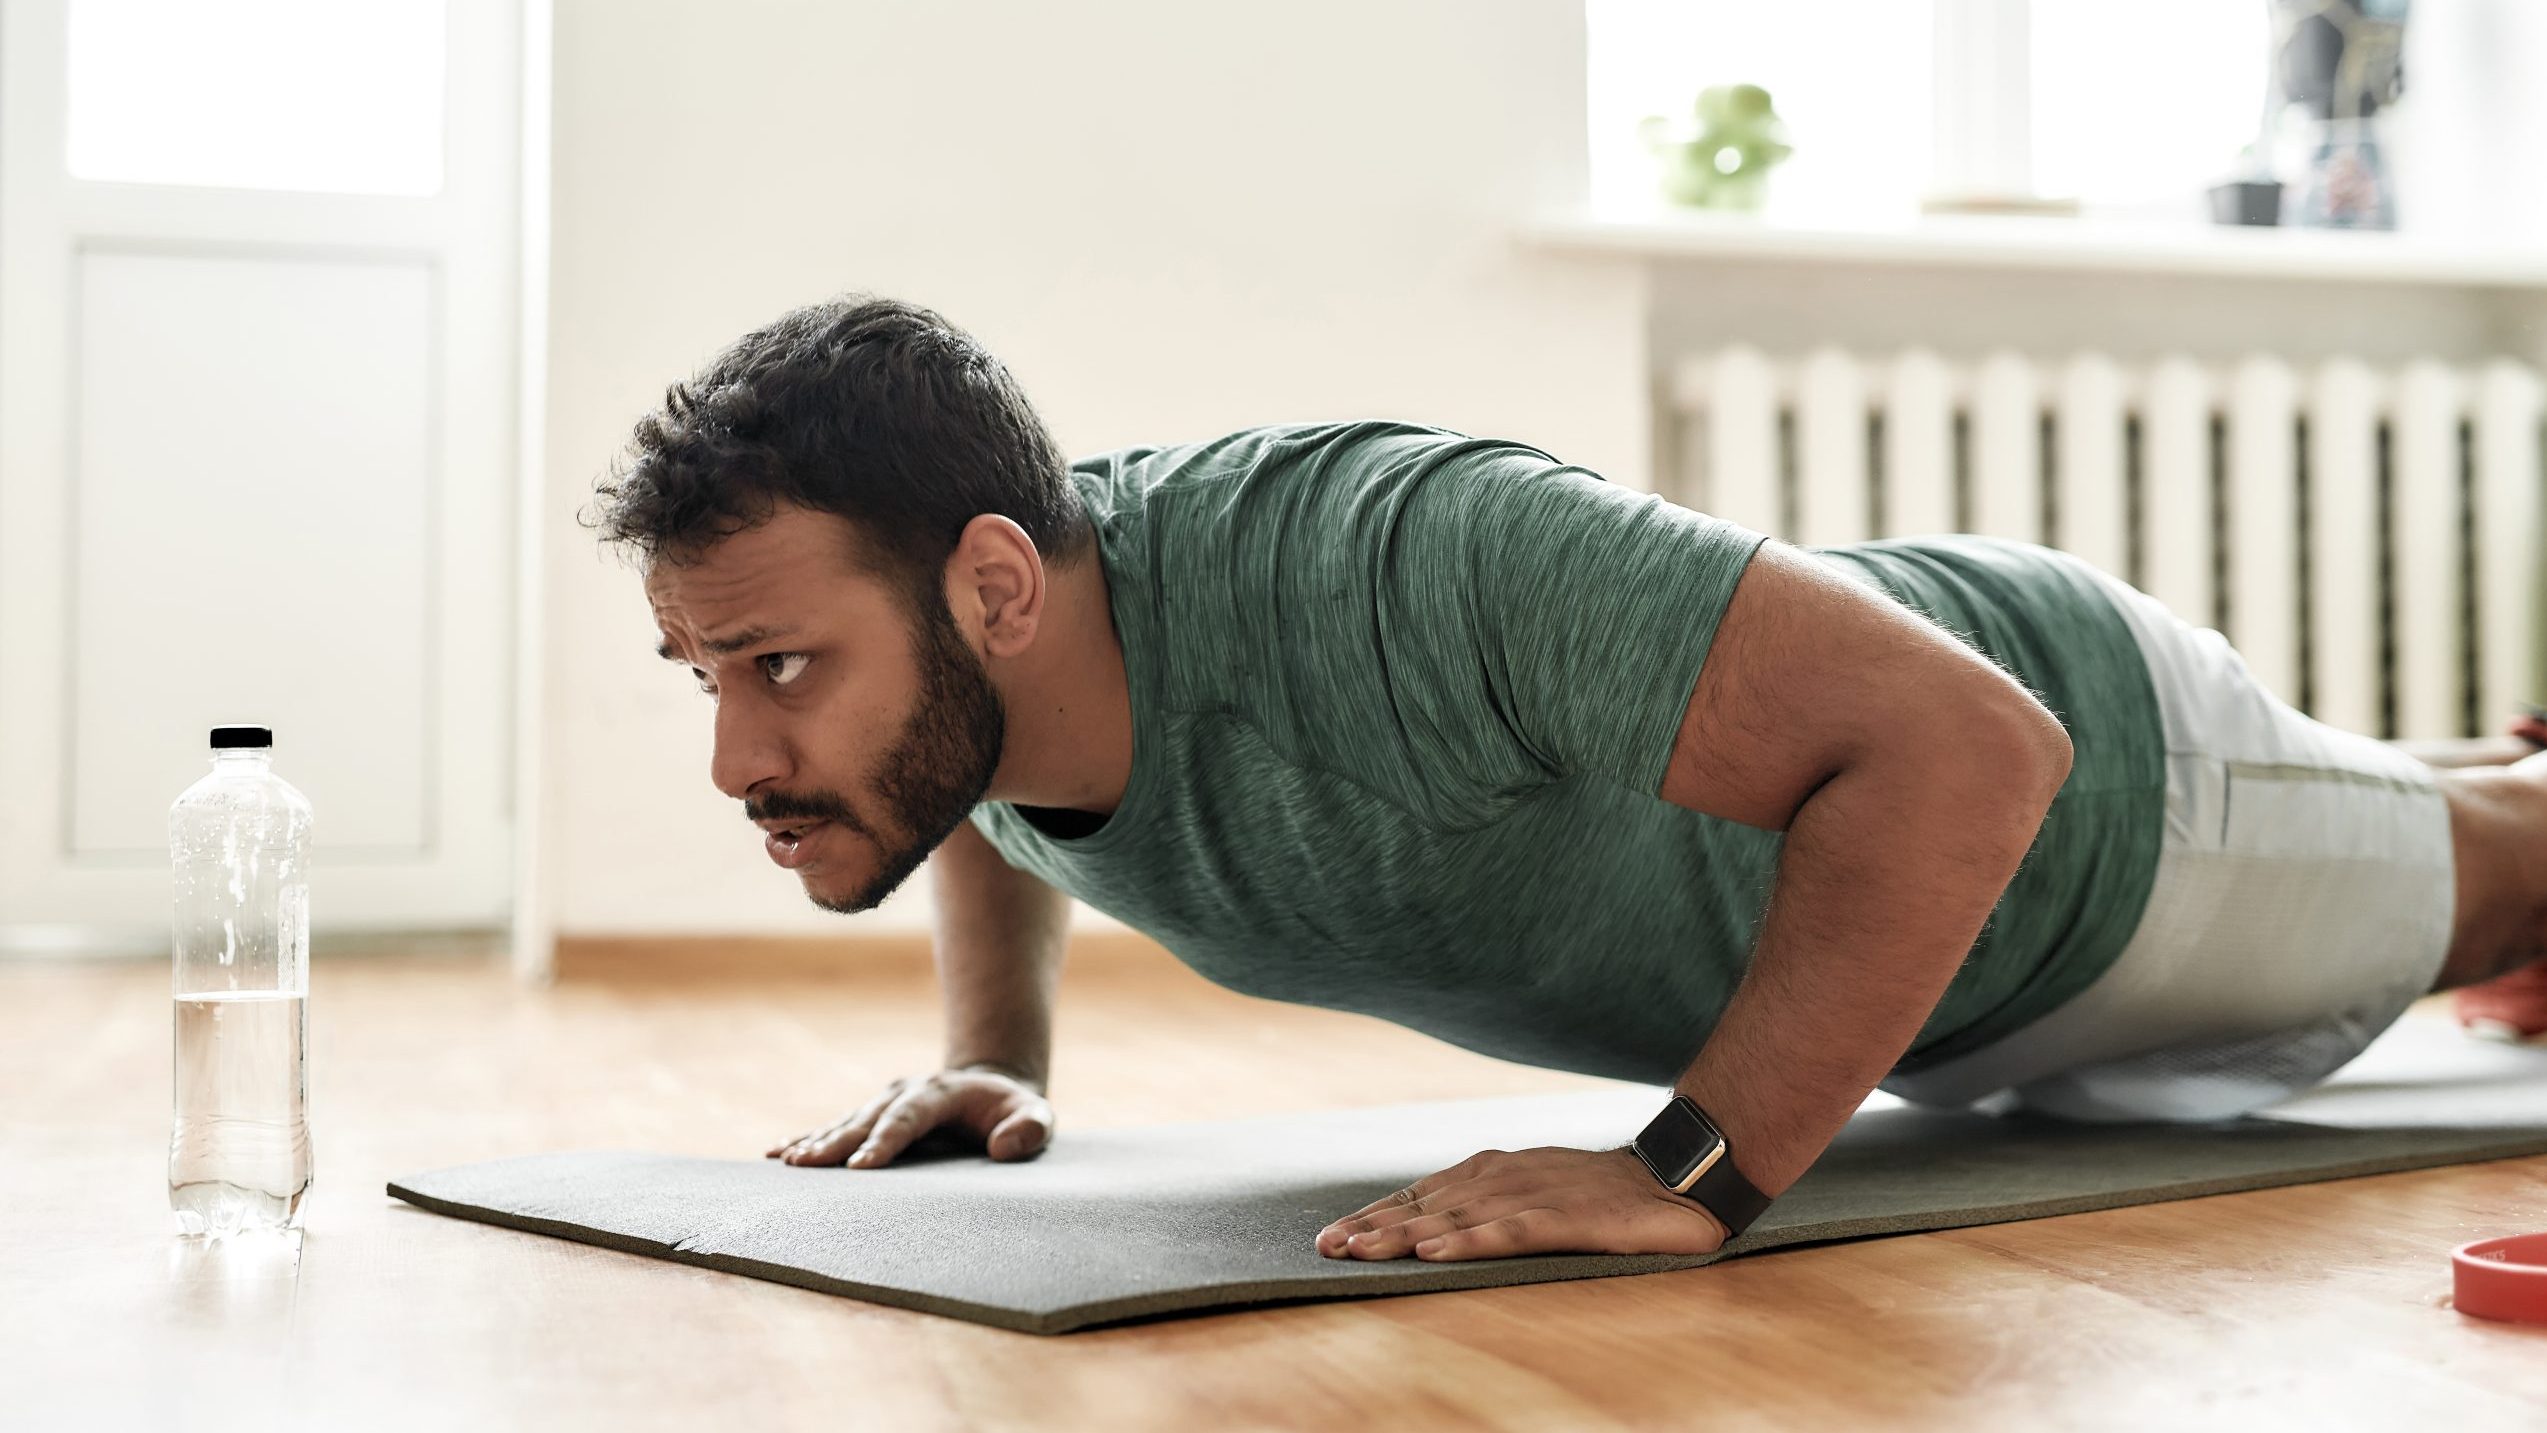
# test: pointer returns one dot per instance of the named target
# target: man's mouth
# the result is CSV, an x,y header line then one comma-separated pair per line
x,y
792,847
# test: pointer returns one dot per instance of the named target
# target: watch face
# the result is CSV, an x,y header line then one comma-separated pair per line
x,y
1679,1142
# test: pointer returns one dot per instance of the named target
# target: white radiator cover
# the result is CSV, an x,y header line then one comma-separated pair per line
x,y
2367,536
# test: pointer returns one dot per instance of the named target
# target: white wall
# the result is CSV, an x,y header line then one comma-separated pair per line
x,y
1170,219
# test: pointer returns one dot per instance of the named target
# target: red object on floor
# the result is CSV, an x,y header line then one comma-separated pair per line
x,y
2518,1000
2503,1278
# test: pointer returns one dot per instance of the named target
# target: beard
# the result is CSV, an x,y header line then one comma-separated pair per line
x,y
936,771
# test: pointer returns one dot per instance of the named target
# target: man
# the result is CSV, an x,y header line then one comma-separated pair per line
x,y
1389,719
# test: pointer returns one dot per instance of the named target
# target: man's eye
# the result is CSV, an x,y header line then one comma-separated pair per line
x,y
776,680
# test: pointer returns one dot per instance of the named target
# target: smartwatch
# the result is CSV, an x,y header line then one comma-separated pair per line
x,y
1689,1155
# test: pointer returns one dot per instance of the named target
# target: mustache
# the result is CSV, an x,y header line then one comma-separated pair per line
x,y
783,807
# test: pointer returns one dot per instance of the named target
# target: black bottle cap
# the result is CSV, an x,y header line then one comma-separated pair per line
x,y
248,736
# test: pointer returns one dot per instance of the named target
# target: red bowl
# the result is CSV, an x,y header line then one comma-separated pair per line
x,y
2503,1278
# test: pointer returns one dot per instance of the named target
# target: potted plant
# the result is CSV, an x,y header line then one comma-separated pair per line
x,y
1722,161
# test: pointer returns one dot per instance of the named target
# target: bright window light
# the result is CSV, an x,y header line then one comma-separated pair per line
x,y
326,95
1849,77
2133,107
2144,106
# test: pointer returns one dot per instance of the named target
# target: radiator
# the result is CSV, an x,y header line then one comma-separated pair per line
x,y
2367,536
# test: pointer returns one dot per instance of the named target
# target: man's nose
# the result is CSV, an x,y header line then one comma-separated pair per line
x,y
747,753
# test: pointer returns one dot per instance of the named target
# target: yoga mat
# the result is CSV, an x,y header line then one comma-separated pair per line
x,y
1126,1223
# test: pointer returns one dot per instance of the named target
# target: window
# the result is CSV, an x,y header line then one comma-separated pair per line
x,y
1850,80
320,95
2135,107
2144,107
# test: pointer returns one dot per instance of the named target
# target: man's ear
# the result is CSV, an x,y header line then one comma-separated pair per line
x,y
995,585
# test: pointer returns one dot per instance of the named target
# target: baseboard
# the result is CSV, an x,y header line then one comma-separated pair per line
x,y
151,942
882,955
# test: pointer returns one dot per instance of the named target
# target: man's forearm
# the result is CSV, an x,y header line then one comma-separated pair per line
x,y
999,941
1889,872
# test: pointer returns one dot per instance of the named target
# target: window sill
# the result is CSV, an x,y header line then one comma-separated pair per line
x,y
2070,245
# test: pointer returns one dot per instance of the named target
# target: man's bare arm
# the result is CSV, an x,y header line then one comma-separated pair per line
x,y
999,943
1910,775
1000,933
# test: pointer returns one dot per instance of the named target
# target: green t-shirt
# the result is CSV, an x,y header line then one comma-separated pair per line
x,y
1402,701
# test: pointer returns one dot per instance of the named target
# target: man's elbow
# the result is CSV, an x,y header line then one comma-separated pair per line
x,y
2023,746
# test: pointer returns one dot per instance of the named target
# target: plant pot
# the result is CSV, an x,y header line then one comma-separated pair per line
x,y
2247,201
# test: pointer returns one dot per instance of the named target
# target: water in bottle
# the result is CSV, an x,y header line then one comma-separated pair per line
x,y
239,1150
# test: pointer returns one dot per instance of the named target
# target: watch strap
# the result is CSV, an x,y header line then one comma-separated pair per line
x,y
1733,1199
1719,1185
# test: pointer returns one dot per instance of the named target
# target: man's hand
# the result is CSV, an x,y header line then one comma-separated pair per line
x,y
1008,1116
1534,1201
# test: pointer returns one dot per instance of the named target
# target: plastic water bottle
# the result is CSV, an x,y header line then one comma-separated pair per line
x,y
239,1151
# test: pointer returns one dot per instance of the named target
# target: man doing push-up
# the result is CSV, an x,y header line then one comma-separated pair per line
x,y
1438,728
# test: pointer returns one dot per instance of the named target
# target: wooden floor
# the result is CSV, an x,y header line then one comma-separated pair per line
x,y
2321,1306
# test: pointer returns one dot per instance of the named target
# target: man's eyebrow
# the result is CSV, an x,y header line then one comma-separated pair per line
x,y
720,646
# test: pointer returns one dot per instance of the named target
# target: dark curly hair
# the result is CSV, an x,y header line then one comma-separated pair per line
x,y
878,411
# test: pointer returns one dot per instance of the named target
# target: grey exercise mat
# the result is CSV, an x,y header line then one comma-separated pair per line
x,y
1124,1223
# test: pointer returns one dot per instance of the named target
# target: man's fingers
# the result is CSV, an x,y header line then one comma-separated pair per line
x,y
1395,1239
808,1137
1404,1206
1022,1135
832,1143
1415,1198
1526,1231
781,1151
911,1115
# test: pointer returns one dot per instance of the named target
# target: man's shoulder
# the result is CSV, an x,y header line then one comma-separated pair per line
x,y
1269,483
1271,447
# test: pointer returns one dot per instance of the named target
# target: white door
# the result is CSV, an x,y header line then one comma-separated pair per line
x,y
258,270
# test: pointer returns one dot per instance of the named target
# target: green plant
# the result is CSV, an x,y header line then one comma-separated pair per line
x,y
1723,160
